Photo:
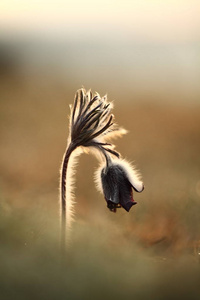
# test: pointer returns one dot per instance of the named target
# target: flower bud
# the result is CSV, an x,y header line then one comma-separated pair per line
x,y
118,180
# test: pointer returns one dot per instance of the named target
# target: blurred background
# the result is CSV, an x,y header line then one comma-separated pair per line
x,y
145,56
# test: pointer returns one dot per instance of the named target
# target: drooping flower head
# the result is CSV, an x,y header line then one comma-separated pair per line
x,y
118,179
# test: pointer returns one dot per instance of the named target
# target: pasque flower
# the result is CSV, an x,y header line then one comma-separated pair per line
x,y
91,122
118,180
91,126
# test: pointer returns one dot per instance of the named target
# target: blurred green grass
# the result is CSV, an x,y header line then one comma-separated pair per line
x,y
149,253
100,263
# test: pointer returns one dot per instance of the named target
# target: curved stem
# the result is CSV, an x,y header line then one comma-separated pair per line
x,y
63,199
107,157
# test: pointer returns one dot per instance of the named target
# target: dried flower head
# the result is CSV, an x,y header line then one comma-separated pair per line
x,y
91,122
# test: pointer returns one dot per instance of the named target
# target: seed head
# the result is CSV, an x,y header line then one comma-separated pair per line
x,y
91,122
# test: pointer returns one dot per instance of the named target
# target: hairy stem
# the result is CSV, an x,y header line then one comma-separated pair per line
x,y
63,199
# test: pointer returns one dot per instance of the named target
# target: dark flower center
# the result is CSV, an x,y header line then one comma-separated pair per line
x,y
113,206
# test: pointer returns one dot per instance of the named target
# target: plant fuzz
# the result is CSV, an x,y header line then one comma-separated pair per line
x,y
91,126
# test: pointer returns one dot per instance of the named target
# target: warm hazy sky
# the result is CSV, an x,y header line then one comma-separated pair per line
x,y
157,19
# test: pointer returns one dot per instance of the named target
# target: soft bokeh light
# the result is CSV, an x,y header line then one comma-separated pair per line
x,y
146,19
144,47
145,56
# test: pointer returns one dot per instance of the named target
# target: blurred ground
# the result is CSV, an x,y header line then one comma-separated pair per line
x,y
150,252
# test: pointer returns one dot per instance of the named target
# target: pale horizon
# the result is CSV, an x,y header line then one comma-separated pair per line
x,y
146,20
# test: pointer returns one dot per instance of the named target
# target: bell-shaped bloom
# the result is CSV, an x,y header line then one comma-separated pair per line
x,y
118,179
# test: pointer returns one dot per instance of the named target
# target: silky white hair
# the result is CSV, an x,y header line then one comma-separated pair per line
x,y
132,174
